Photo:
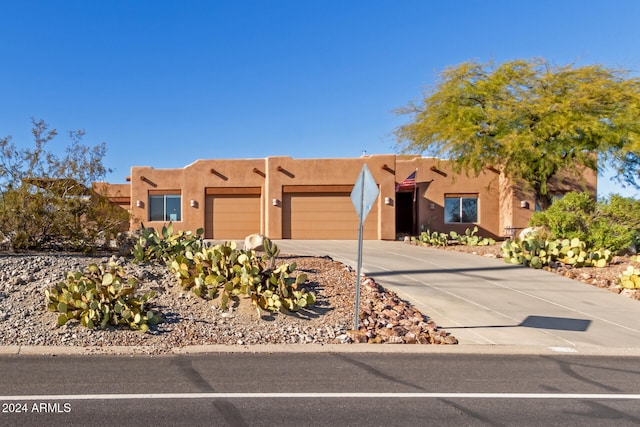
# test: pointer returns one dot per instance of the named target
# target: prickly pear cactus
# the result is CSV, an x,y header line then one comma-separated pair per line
x,y
429,238
470,238
101,295
166,245
630,279
540,253
228,272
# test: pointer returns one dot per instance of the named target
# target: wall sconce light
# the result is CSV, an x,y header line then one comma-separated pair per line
x,y
138,203
388,201
524,204
193,203
432,206
275,202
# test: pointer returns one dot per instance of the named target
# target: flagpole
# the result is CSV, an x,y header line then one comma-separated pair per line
x,y
415,186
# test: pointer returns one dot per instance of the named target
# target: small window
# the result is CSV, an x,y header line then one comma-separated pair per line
x,y
461,209
165,207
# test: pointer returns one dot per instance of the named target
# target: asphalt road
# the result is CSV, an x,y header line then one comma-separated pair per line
x,y
319,389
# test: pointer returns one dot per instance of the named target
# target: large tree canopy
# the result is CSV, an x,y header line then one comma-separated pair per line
x,y
529,119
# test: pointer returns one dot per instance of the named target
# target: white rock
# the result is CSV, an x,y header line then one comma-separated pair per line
x,y
254,242
529,232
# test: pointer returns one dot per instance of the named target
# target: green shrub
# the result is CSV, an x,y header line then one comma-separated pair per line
x,y
47,201
616,225
101,295
613,236
567,218
612,224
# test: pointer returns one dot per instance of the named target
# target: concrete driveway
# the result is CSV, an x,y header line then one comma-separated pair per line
x,y
484,301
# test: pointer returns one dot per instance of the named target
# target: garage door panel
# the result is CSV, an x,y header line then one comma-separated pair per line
x,y
232,216
226,217
324,216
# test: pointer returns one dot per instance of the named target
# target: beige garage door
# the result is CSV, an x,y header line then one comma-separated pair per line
x,y
324,215
231,216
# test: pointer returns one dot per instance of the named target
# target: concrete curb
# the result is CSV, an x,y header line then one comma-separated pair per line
x,y
469,349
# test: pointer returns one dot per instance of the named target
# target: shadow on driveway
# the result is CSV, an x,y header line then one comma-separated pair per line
x,y
539,322
447,270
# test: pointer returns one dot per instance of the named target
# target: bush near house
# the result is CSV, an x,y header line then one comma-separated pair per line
x,y
46,200
33,218
582,232
612,224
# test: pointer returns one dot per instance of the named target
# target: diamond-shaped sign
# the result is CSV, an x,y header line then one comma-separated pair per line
x,y
364,193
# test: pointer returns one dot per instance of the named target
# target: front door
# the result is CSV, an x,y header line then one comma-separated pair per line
x,y
405,214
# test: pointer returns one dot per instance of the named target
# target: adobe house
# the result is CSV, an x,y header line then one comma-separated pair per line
x,y
286,198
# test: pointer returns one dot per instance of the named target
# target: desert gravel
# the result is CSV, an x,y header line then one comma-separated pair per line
x,y
188,319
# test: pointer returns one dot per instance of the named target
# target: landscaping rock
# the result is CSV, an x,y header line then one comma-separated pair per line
x,y
190,320
254,242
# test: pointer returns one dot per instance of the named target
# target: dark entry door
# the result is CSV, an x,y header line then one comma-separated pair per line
x,y
405,212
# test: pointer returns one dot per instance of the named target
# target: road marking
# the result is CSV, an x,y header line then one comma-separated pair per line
x,y
289,395
563,349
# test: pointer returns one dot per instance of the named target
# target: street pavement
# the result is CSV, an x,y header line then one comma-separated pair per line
x,y
320,389
487,303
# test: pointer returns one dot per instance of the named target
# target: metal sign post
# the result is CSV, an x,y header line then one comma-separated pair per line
x,y
364,193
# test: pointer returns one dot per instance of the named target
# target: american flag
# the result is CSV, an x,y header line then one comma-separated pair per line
x,y
409,182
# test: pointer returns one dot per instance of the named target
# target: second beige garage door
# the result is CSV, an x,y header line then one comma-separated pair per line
x,y
231,216
324,216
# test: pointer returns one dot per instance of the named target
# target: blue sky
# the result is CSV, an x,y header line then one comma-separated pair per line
x,y
164,83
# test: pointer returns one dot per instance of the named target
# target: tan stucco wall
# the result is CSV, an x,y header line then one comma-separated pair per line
x,y
438,181
499,201
271,175
286,171
193,181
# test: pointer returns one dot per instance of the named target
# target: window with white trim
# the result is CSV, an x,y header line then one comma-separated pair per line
x,y
165,207
461,209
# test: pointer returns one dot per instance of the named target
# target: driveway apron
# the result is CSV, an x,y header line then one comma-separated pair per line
x,y
485,301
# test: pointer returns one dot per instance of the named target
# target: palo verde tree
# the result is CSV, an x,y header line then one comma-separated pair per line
x,y
529,119
46,199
